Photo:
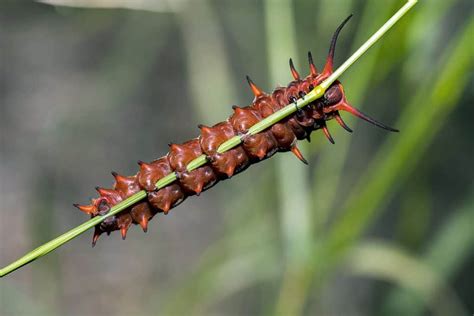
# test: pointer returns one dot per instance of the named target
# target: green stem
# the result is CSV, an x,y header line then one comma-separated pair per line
x,y
373,39
316,93
73,233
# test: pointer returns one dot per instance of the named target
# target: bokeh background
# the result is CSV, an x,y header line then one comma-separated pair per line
x,y
378,224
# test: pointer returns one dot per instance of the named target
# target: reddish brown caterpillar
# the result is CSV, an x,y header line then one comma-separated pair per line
x,y
280,137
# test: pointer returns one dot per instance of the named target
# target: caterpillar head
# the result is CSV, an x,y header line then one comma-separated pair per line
x,y
334,99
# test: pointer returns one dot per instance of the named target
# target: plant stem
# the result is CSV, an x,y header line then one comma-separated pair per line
x,y
316,93
374,38
73,233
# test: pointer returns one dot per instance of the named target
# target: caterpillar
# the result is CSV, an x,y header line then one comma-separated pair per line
x,y
280,137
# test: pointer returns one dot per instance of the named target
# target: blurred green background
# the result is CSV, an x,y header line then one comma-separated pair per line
x,y
378,224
